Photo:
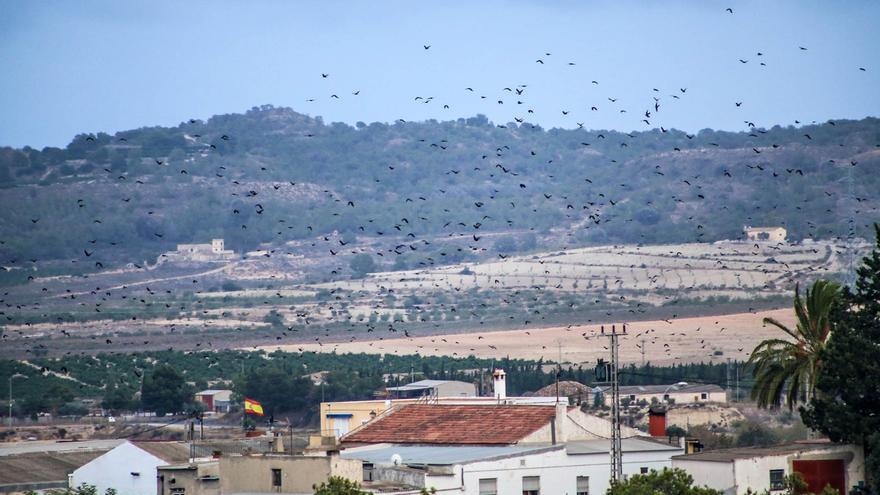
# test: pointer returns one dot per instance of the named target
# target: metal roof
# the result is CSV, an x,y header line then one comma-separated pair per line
x,y
213,391
422,385
440,455
645,444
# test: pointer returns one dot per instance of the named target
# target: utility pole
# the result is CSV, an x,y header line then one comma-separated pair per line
x,y
727,370
643,352
616,449
737,382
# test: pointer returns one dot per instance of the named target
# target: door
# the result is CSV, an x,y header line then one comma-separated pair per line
x,y
817,474
340,425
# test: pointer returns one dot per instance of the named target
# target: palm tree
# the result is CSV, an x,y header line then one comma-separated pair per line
x,y
789,368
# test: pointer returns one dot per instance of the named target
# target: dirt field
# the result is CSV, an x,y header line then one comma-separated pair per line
x,y
684,340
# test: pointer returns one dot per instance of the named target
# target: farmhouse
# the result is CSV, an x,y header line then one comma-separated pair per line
x,y
216,401
770,234
215,251
681,393
734,471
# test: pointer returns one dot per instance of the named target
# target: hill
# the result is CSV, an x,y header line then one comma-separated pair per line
x,y
272,175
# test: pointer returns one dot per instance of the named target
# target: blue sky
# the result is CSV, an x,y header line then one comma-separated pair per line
x,y
71,67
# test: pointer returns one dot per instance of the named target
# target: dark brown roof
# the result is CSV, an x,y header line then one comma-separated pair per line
x,y
42,467
171,452
454,424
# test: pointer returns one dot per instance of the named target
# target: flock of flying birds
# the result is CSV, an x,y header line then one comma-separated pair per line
x,y
513,95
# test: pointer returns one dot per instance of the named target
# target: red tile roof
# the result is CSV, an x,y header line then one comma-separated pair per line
x,y
454,424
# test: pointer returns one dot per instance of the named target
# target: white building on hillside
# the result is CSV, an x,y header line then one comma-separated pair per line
x,y
768,234
682,393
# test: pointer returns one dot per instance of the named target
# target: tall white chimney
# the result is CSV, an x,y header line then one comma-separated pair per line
x,y
499,384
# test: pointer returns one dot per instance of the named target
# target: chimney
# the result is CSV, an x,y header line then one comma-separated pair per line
x,y
499,384
559,421
657,421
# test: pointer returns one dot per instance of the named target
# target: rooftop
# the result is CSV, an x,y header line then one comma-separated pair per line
x,y
602,446
16,448
422,385
454,424
439,455
170,452
729,455
669,389
213,392
42,467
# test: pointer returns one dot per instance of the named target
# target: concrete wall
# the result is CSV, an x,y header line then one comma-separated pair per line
x,y
737,476
578,425
558,471
755,472
717,475
680,397
239,474
195,479
456,389
114,470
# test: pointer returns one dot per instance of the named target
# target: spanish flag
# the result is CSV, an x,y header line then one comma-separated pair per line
x,y
253,407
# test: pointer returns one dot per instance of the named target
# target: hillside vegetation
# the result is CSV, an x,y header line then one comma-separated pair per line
x,y
272,174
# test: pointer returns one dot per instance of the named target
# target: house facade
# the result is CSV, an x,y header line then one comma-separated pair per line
x,y
678,394
215,401
576,468
735,471
130,467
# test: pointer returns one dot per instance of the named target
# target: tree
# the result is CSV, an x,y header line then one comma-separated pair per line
x,y
668,482
275,388
790,367
165,391
754,434
675,431
336,485
118,399
845,406
362,264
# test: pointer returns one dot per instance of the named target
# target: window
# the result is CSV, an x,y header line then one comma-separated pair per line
x,y
777,479
583,485
178,491
643,470
531,485
276,477
665,396
632,397
489,486
704,396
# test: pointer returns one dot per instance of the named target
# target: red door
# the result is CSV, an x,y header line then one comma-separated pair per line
x,y
817,474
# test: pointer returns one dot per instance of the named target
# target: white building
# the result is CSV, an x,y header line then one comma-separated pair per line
x,y
434,388
734,471
768,234
130,467
215,251
575,468
215,400
679,394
